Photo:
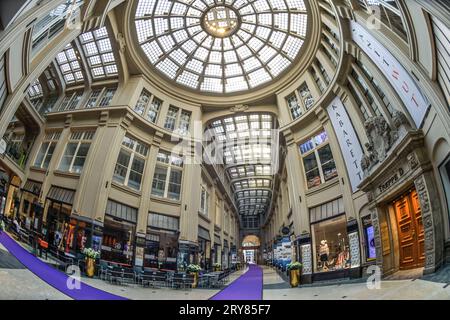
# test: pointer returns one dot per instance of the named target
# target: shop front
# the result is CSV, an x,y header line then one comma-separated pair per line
x,y
4,178
31,211
331,250
119,232
161,245
226,255
12,198
404,227
204,248
58,229
217,250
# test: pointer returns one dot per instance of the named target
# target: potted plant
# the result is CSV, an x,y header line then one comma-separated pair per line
x,y
217,266
294,273
91,255
194,269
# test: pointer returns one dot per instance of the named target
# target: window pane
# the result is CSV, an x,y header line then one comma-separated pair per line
x,y
120,171
41,154
175,184
159,181
137,168
49,155
68,156
327,162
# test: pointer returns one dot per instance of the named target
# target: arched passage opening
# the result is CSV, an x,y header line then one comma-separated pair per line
x,y
250,249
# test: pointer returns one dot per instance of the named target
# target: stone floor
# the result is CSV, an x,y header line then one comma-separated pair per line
x,y
18,282
275,288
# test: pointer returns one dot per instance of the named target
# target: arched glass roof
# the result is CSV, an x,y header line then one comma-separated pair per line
x,y
248,145
221,46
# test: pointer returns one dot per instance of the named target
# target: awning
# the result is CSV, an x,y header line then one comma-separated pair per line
x,y
33,187
61,195
204,234
121,211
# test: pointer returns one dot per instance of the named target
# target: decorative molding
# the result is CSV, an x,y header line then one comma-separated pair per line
x,y
382,138
239,108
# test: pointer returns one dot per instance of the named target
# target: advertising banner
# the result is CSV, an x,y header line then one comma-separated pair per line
x,y
348,141
406,87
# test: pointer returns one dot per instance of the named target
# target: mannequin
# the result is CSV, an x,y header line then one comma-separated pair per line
x,y
324,252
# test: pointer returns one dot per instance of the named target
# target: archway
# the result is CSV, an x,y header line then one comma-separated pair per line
x,y
250,248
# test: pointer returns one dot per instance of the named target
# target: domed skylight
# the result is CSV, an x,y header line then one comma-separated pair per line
x,y
221,46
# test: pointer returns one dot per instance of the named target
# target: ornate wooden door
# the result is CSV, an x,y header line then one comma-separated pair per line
x,y
410,231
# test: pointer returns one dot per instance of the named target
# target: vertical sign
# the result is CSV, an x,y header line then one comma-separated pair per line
x,y
348,141
416,103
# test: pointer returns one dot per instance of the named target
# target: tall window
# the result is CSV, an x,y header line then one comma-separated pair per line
x,y
35,93
76,151
148,105
71,101
130,163
178,120
300,101
47,149
204,200
167,177
101,97
318,160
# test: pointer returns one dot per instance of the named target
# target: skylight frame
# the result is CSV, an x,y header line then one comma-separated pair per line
x,y
159,39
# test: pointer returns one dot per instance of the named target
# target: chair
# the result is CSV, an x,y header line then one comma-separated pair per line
x,y
103,270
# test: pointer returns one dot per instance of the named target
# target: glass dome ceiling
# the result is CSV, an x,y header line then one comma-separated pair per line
x,y
221,46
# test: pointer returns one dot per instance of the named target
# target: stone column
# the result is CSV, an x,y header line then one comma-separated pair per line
x,y
144,207
432,221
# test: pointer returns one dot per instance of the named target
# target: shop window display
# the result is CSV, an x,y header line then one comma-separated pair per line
x,y
331,246
118,241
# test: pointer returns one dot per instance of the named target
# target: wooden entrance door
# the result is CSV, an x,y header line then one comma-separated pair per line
x,y
410,231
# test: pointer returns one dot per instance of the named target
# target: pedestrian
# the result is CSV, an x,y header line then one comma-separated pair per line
x,y
2,226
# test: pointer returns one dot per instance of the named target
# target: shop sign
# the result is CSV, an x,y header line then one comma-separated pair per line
x,y
348,141
405,86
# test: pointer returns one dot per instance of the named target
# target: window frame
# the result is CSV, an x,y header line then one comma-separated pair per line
x,y
133,154
169,168
50,138
315,151
79,142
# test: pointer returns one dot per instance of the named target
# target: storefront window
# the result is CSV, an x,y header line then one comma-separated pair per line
x,y
369,237
330,244
60,233
118,241
318,160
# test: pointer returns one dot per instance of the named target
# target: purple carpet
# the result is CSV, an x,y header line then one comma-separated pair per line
x,y
53,277
249,286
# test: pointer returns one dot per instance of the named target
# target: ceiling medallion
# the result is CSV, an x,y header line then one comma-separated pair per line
x,y
221,21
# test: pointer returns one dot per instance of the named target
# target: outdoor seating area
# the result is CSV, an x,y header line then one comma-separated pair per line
x,y
154,278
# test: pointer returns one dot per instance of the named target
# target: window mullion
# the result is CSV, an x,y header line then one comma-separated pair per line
x,y
130,164
319,165
166,188
74,156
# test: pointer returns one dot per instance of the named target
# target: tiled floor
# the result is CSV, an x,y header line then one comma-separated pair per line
x,y
19,283
276,289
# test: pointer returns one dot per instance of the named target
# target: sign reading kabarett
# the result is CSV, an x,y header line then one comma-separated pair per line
x,y
416,103
348,141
